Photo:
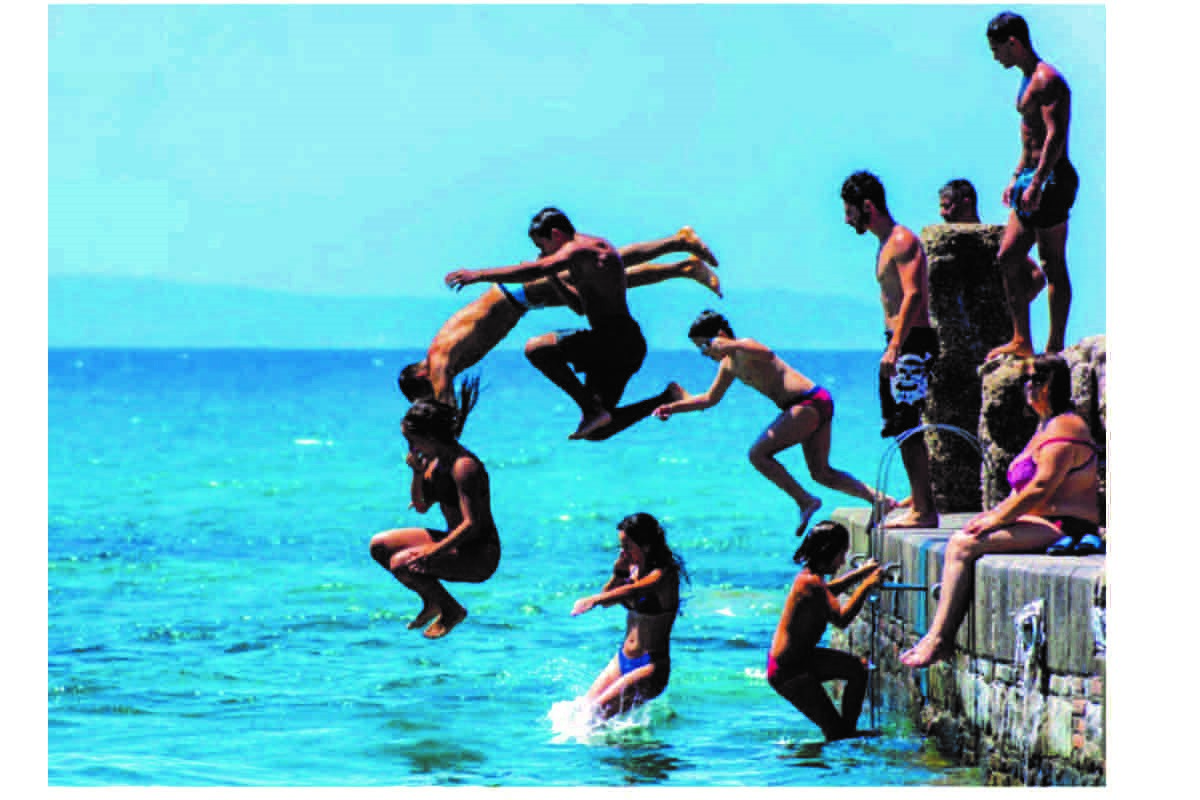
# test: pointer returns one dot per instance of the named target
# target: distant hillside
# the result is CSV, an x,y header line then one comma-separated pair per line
x,y
87,311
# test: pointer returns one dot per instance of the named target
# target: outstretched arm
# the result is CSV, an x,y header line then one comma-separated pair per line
x,y
842,615
616,594
526,271
700,402
844,582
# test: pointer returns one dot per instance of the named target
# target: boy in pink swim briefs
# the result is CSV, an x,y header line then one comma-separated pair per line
x,y
805,413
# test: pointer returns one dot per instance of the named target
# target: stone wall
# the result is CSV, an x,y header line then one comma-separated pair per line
x,y
1025,703
1024,696
969,312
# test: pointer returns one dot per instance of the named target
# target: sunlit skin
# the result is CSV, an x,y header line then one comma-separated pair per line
x,y
901,270
760,368
598,285
478,327
1066,484
612,692
446,474
955,209
803,665
1045,110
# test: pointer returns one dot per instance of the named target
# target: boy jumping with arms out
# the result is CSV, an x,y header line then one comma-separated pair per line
x,y
806,413
796,666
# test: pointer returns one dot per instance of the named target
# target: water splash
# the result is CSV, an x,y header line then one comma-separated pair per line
x,y
1100,630
1030,638
578,721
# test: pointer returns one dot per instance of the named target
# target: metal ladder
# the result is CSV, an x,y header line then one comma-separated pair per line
x,y
892,567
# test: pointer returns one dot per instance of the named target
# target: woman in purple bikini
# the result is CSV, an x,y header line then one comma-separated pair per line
x,y
1054,506
645,579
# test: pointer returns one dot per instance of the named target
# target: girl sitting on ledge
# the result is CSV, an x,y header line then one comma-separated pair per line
x,y
1054,506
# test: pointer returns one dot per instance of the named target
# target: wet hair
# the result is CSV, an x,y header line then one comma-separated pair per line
x,y
961,190
414,382
648,534
1007,24
433,419
863,186
1051,369
548,219
821,546
708,325
415,385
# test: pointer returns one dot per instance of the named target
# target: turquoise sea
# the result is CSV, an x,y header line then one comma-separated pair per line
x,y
215,618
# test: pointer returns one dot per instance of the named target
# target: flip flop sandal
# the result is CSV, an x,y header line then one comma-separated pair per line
x,y
1063,547
1088,545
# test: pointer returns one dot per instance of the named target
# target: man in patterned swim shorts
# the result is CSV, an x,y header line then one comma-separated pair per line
x,y
912,344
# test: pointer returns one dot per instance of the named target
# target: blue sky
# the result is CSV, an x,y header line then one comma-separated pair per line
x,y
371,149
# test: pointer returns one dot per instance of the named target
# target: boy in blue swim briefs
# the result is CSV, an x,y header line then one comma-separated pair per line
x,y
478,327
609,351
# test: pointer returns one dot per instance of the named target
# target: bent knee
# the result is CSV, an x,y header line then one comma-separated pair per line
x,y
964,547
759,455
826,476
540,347
380,551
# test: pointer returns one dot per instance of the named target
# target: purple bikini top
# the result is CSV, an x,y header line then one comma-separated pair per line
x,y
1022,470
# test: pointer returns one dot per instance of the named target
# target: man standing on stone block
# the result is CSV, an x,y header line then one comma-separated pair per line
x,y
958,202
912,344
1041,191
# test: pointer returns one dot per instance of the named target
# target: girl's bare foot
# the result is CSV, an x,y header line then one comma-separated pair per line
x,y
589,425
695,245
1017,347
913,520
698,271
675,392
925,652
806,513
445,623
428,614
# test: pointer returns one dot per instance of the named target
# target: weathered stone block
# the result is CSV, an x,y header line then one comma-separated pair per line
x,y
1060,727
967,307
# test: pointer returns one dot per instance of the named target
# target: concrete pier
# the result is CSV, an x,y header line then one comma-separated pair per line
x,y
1026,703
1024,695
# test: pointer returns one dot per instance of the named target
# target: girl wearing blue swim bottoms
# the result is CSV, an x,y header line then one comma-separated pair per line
x,y
645,579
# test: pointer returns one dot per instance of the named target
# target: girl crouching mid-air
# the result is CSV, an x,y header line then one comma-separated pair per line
x,y
645,579
446,474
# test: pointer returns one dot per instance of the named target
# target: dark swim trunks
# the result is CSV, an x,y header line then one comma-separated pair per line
x,y
902,396
819,398
1058,195
609,353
